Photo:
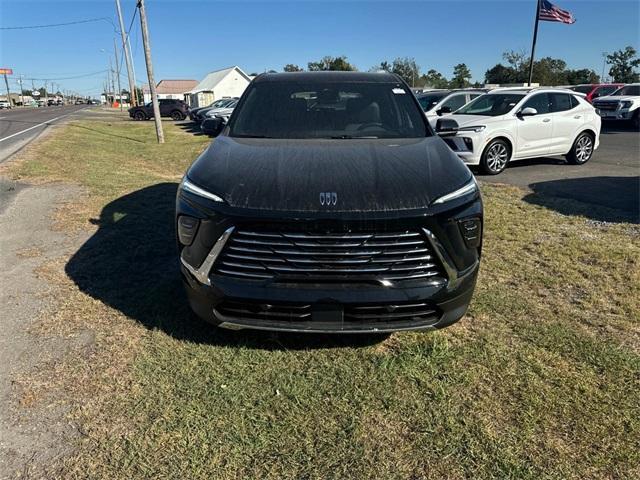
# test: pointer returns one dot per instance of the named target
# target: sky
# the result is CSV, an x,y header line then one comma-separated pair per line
x,y
191,38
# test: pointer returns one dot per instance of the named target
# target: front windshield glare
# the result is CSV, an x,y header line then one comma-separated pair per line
x,y
491,105
328,110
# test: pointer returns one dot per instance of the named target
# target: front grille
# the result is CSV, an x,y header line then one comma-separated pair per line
x,y
355,315
606,105
329,257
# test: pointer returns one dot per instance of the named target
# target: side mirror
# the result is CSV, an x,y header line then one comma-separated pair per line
x,y
443,110
527,112
446,127
212,126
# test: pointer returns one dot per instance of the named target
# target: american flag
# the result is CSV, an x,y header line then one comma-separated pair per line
x,y
550,13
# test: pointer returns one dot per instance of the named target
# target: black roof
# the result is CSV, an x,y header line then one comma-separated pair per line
x,y
328,76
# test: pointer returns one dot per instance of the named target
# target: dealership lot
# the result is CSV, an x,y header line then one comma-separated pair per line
x,y
610,179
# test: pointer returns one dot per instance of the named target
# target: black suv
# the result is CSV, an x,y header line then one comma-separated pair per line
x,y
176,109
327,204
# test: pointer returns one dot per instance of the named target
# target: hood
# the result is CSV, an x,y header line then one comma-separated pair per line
x,y
366,175
465,120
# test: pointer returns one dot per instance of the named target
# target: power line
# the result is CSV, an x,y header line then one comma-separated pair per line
x,y
77,22
49,79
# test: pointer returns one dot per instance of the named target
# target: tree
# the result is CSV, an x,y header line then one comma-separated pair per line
x,y
550,71
500,74
584,75
461,76
434,79
290,67
623,65
331,63
407,69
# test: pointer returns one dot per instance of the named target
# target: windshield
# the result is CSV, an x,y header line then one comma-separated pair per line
x,y
328,110
220,103
628,90
428,101
491,105
582,88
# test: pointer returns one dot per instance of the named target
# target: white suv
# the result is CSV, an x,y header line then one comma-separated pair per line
x,y
514,124
623,104
436,103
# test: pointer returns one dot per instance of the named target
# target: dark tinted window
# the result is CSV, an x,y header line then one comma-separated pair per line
x,y
560,102
540,101
429,100
582,89
455,101
574,101
328,110
633,90
603,91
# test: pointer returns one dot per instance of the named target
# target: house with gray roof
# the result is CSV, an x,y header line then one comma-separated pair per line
x,y
226,83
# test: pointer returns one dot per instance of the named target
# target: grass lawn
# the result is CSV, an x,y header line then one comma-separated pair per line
x,y
541,379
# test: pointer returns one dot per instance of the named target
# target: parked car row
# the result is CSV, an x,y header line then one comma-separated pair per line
x,y
621,105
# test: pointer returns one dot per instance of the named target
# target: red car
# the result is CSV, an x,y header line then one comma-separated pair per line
x,y
595,90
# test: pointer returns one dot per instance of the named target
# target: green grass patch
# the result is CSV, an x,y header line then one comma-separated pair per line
x,y
540,380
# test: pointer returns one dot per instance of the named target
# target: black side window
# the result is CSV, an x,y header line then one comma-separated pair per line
x,y
560,102
574,101
540,102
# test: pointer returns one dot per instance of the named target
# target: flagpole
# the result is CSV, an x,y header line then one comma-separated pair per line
x,y
533,45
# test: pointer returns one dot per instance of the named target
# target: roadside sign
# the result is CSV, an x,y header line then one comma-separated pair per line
x,y
6,71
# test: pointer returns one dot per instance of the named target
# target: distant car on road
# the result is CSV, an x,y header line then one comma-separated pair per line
x,y
514,124
623,104
79,101
595,90
437,103
4,104
176,109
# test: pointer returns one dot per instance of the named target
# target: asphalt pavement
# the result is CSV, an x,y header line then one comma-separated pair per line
x,y
610,179
19,126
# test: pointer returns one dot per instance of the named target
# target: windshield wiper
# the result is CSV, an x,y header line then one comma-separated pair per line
x,y
351,137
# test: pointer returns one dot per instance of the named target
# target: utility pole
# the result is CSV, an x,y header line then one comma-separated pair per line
x,y
127,57
21,94
152,84
115,52
6,84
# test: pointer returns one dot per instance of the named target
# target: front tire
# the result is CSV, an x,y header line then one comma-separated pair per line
x,y
582,149
177,115
495,157
139,116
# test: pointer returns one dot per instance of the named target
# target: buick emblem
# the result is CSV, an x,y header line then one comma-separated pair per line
x,y
328,198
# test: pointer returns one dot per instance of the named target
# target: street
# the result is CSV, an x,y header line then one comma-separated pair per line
x,y
19,126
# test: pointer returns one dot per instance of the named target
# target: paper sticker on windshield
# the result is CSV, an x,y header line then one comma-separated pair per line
x,y
398,91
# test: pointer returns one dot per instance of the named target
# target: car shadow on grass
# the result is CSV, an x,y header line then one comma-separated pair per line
x,y
131,264
603,199
191,127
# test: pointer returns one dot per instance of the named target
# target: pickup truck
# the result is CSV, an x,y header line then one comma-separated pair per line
x,y
621,105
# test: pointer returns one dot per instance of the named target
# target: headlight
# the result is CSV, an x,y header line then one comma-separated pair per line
x,y
470,187
626,104
477,129
187,186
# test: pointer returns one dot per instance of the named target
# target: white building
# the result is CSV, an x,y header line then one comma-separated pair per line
x,y
226,83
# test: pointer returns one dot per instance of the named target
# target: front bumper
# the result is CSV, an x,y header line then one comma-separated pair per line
x,y
623,114
236,303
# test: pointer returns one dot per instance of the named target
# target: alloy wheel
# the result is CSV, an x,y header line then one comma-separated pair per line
x,y
497,157
584,148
